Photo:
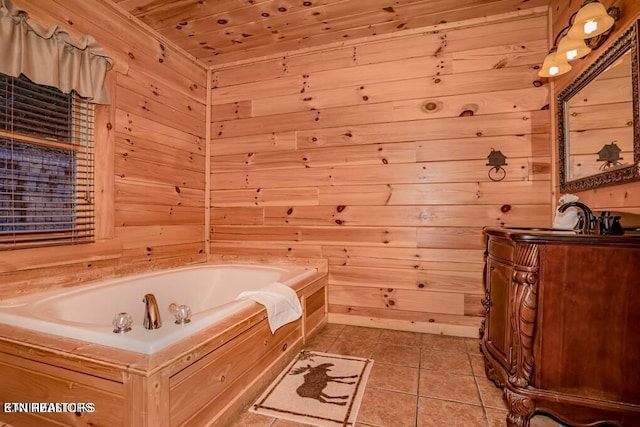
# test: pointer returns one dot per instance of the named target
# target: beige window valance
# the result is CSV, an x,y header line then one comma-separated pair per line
x,y
49,56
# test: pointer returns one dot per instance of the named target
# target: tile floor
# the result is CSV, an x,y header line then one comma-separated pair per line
x,y
418,380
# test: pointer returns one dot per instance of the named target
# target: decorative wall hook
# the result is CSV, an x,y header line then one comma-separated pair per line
x,y
497,160
610,155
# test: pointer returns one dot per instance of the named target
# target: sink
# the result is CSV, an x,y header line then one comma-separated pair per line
x,y
628,232
544,230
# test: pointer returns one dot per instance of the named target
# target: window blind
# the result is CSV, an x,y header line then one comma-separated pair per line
x,y
46,165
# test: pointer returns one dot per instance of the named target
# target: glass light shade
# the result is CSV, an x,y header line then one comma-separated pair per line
x,y
592,20
554,65
571,49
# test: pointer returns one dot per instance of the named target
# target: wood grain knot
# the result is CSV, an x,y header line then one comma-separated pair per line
x,y
430,106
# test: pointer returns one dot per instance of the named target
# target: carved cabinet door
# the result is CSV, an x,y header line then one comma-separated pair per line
x,y
498,331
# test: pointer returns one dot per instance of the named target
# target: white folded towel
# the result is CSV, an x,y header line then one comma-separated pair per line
x,y
281,302
566,220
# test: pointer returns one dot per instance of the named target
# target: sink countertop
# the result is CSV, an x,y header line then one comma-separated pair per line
x,y
562,236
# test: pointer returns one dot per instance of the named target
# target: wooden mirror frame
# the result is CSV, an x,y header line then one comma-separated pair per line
x,y
628,41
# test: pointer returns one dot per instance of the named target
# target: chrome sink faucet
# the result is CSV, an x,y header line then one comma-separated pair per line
x,y
587,221
151,312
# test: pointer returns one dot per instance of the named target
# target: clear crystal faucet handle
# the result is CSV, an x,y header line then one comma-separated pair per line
x,y
182,314
122,323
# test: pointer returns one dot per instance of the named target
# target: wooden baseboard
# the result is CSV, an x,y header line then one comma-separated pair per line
x,y
406,325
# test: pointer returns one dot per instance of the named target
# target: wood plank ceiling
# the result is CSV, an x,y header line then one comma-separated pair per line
x,y
222,31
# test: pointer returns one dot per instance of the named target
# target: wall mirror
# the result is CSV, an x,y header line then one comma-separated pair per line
x,y
599,120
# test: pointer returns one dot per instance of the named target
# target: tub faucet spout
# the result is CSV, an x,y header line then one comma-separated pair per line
x,y
151,312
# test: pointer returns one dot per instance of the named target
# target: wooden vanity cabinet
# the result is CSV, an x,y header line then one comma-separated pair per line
x,y
562,329
498,286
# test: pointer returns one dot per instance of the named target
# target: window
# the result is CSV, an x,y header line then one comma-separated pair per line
x,y
46,165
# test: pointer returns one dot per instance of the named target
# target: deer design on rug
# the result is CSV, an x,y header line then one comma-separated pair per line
x,y
315,381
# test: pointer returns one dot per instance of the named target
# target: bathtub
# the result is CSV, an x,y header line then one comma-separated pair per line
x,y
86,313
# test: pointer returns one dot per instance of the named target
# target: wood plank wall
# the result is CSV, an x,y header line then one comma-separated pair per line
x,y
625,197
374,155
150,158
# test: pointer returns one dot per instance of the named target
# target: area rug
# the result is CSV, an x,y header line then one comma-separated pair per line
x,y
319,389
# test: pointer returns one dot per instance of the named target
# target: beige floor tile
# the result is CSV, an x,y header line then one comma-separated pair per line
x,y
444,343
444,385
348,347
249,419
477,365
394,378
457,363
441,413
544,421
400,337
288,423
472,345
492,396
441,377
387,408
496,417
320,343
360,333
397,355
331,330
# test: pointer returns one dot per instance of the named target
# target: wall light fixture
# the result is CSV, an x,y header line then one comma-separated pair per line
x,y
587,30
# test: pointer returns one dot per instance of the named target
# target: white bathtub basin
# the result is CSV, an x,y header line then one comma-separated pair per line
x,y
85,313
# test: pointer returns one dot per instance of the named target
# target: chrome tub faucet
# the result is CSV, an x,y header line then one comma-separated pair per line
x,y
151,312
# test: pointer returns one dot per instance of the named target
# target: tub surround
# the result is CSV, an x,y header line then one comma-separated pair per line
x,y
135,389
